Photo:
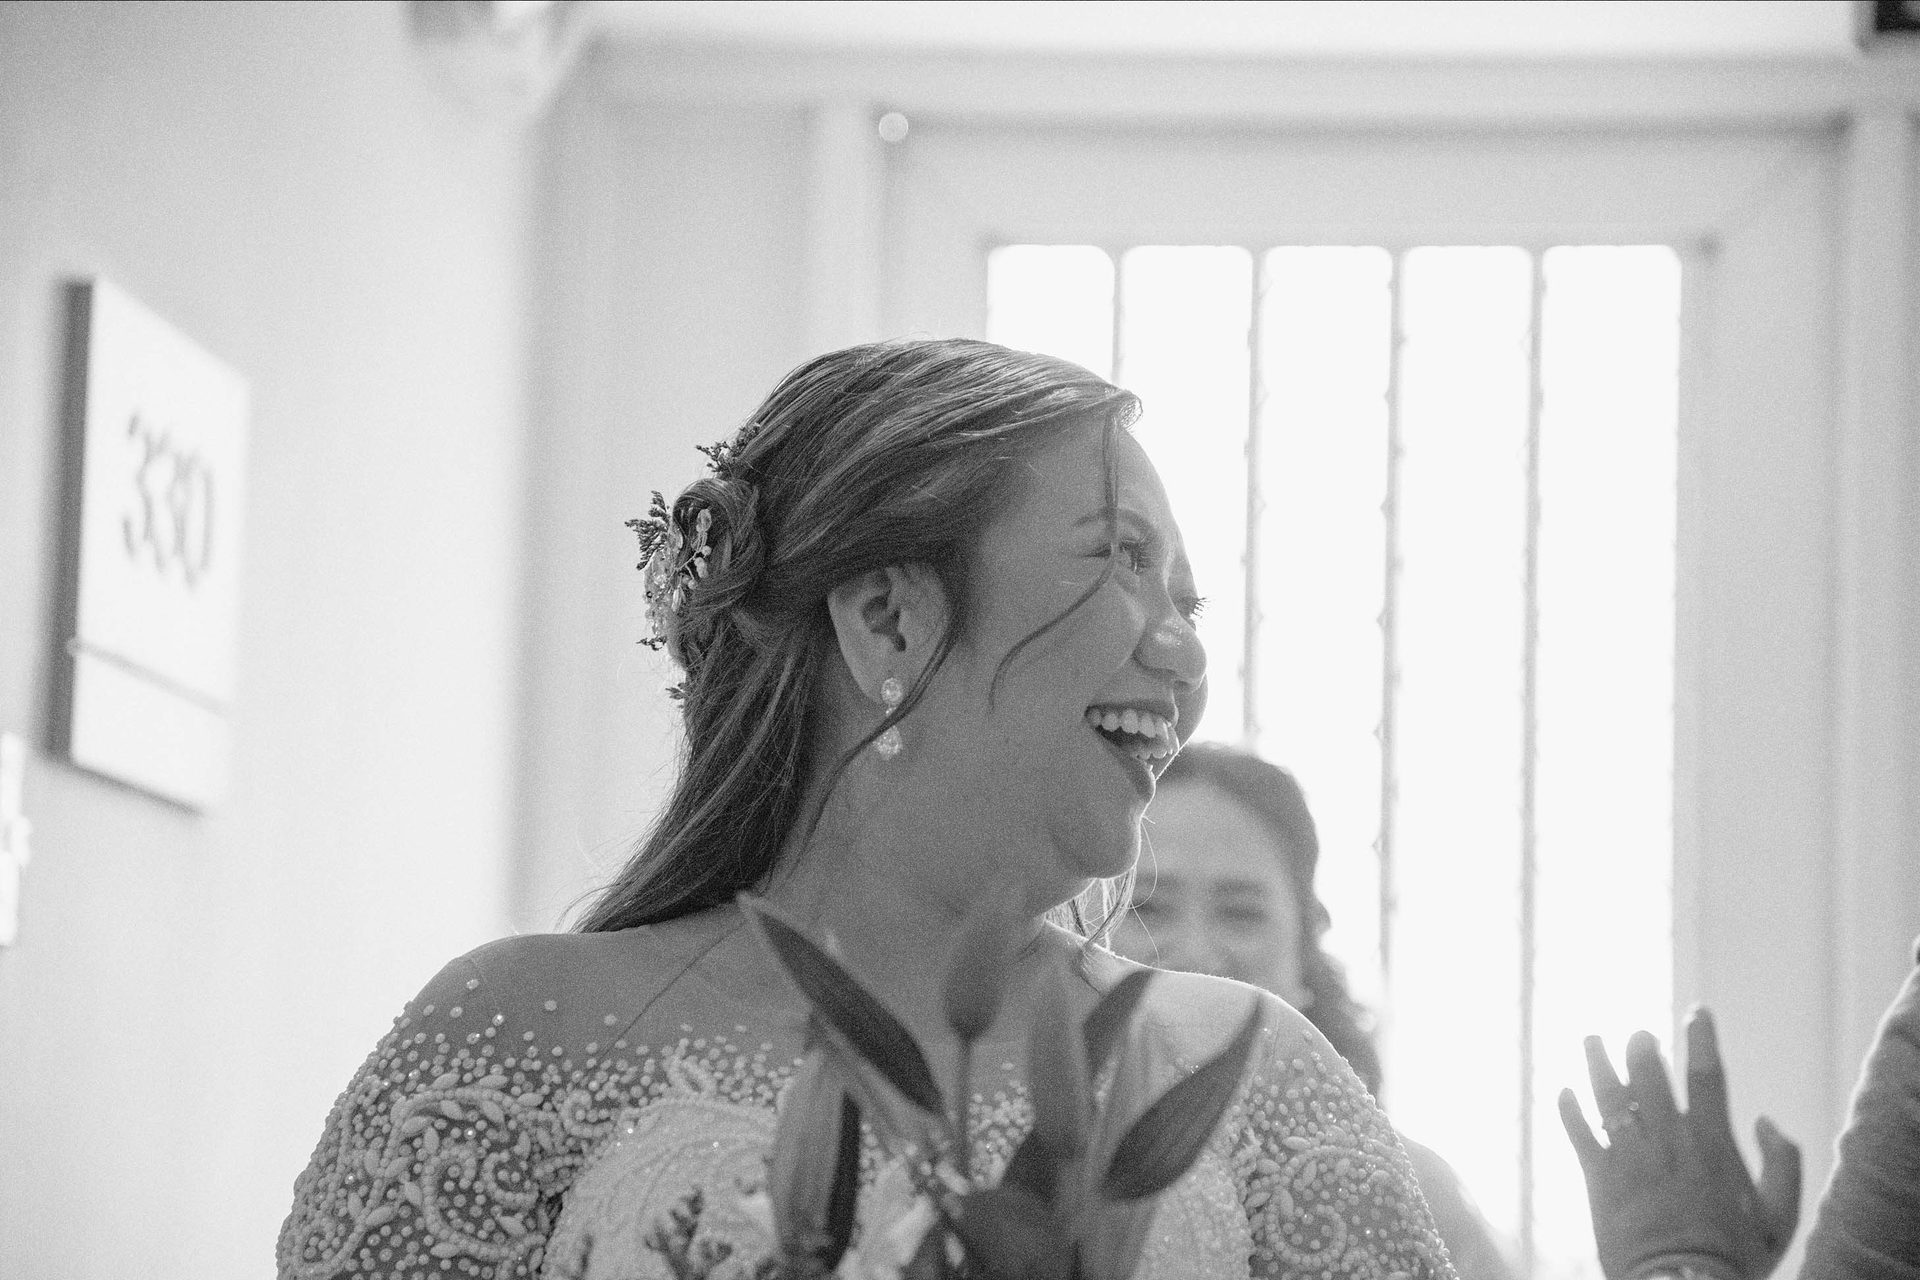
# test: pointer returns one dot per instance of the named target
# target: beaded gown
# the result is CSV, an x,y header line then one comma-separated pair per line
x,y
515,1123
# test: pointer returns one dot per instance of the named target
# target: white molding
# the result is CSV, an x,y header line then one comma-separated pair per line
x,y
1330,93
1693,975
1876,892
1383,30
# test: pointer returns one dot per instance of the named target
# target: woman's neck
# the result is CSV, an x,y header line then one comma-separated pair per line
x,y
868,896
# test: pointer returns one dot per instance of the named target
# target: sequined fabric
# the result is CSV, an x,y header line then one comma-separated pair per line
x,y
496,1132
1199,1228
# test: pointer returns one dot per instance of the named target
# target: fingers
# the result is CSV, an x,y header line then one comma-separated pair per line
x,y
1651,1114
1579,1133
1706,1077
1609,1095
1779,1179
1707,1090
1647,1080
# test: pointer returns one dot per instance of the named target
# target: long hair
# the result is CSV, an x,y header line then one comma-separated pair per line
x,y
891,453
1273,797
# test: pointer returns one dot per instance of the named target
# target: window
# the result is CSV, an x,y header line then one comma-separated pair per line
x,y
1430,492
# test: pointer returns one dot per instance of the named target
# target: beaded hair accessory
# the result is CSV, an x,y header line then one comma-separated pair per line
x,y
676,554
671,565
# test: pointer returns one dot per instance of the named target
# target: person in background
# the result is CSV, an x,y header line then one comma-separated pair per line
x,y
1228,890
1672,1197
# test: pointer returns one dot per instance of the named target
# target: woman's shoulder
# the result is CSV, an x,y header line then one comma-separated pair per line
x,y
549,963
1198,1013
509,1060
1304,1140
571,978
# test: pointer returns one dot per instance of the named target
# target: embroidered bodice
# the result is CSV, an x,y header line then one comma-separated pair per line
x,y
512,1124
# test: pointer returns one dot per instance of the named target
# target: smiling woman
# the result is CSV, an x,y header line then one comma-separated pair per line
x,y
936,623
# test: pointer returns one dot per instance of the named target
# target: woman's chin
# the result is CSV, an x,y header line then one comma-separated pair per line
x,y
1107,859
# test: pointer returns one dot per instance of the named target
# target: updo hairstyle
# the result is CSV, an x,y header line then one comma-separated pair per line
x,y
893,453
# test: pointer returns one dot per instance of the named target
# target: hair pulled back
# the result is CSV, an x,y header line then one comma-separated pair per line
x,y
891,453
1273,796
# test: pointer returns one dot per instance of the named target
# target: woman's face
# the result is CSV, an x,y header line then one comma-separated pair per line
x,y
1213,894
1067,742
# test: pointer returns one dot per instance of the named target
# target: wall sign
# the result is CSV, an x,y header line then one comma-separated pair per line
x,y
162,485
1895,17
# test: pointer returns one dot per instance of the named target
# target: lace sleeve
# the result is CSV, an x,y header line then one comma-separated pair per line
x,y
439,1159
1328,1189
1868,1225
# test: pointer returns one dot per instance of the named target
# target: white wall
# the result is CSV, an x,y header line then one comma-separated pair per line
x,y
672,300
190,993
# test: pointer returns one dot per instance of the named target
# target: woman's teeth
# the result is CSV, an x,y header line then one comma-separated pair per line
x,y
1144,735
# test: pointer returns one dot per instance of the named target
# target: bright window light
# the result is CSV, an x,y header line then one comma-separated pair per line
x,y
1325,341
1185,312
1453,1048
1609,449
1054,298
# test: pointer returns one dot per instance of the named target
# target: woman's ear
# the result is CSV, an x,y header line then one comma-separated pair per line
x,y
887,622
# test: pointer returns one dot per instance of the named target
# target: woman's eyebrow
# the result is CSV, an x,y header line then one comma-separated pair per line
x,y
1119,514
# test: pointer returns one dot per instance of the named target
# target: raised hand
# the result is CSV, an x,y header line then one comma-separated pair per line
x,y
1671,1186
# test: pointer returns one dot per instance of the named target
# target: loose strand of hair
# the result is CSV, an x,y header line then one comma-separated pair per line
x,y
1111,469
659,883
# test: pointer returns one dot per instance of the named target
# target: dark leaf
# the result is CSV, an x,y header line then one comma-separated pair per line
x,y
846,1186
1164,1143
903,1129
850,1008
800,1183
1106,1026
1112,1236
982,959
1057,1075
1133,1081
1033,1168
1011,1234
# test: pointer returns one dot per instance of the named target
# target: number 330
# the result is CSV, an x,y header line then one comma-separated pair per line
x,y
172,515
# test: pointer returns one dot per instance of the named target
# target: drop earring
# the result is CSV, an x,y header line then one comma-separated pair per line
x,y
889,743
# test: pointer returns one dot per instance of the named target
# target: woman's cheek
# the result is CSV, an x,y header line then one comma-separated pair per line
x,y
1192,705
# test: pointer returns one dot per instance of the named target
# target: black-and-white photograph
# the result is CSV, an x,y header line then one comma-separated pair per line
x,y
960,639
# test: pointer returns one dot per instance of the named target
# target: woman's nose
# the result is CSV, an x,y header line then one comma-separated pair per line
x,y
1171,644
